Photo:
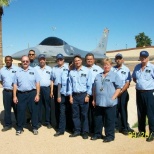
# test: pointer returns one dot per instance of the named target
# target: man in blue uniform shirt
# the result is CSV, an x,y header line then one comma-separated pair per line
x,y
94,69
56,74
32,57
65,121
143,76
125,76
26,90
7,74
44,72
33,62
80,91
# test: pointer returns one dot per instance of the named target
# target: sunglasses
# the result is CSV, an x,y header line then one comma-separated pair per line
x,y
25,61
31,54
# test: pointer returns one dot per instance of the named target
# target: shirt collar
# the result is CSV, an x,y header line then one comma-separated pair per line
x,y
120,67
9,68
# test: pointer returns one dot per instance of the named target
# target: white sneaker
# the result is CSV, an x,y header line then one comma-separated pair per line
x,y
35,131
18,132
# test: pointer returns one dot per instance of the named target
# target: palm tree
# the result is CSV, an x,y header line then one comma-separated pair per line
x,y
2,4
142,40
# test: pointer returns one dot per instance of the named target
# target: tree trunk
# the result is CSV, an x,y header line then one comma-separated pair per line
x,y
1,52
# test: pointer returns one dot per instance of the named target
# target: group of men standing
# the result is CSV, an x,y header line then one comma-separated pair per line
x,y
86,98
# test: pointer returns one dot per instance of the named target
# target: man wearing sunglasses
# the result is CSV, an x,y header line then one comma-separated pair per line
x,y
56,74
33,62
32,57
122,124
26,90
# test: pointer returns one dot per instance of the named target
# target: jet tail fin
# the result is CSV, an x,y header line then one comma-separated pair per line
x,y
101,48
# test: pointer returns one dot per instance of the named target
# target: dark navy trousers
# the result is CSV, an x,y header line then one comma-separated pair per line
x,y
121,111
64,117
45,101
8,104
57,105
80,113
105,116
24,100
91,115
145,106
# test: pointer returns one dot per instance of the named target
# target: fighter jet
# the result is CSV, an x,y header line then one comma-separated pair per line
x,y
52,46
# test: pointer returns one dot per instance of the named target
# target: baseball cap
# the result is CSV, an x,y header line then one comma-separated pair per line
x,y
118,55
41,56
144,54
59,56
78,55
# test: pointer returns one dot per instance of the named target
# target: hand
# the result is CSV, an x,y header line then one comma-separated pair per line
x,y
71,99
51,95
15,100
86,99
37,98
59,99
93,103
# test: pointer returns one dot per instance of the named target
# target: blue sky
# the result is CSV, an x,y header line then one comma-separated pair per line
x,y
78,22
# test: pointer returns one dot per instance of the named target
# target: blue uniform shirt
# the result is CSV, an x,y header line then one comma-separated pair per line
x,y
34,63
64,81
45,75
95,69
105,89
26,80
80,81
7,76
56,73
124,73
145,78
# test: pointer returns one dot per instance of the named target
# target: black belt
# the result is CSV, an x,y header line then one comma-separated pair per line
x,y
80,93
8,90
22,92
144,90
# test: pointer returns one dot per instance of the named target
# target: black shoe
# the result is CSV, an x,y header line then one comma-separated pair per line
x,y
94,137
6,129
107,140
75,134
85,135
125,132
130,130
18,132
150,138
49,126
58,134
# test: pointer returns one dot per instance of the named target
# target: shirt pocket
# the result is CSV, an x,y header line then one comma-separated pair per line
x,y
147,76
83,79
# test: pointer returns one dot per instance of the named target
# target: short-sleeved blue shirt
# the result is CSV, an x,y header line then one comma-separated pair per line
x,y
45,75
145,78
105,89
95,69
56,73
80,81
7,76
26,79
124,73
64,81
